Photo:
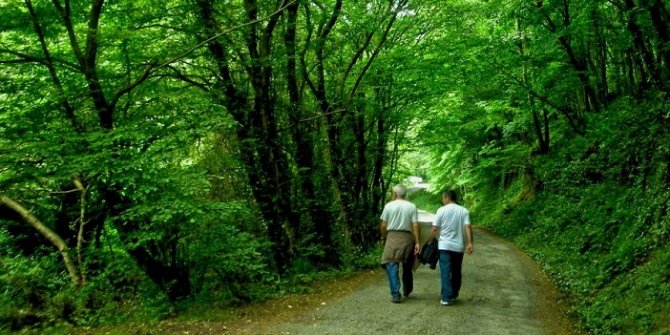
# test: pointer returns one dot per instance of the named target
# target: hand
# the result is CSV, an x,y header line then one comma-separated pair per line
x,y
417,249
470,249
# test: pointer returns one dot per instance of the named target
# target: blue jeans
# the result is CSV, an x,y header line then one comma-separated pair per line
x,y
451,263
392,271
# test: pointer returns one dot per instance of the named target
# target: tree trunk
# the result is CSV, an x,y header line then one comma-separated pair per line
x,y
302,131
158,259
267,165
659,18
578,63
601,59
542,138
639,41
377,180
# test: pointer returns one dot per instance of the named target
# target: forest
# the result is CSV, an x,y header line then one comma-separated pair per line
x,y
157,156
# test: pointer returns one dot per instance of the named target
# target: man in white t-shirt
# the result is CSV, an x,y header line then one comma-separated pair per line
x,y
452,222
399,228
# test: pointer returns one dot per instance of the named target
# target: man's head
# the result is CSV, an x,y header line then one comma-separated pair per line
x,y
399,191
449,196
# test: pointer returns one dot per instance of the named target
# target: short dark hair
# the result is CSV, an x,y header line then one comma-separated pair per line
x,y
451,194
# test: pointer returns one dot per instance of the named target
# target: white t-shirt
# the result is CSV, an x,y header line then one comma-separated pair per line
x,y
451,220
399,214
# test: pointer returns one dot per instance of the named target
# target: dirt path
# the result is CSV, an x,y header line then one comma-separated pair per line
x,y
503,293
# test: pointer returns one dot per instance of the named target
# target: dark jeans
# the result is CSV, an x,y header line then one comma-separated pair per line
x,y
451,263
392,270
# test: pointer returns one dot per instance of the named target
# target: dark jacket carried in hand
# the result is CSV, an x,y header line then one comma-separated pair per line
x,y
429,253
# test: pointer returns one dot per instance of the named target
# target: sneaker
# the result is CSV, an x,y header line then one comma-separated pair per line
x,y
395,300
444,303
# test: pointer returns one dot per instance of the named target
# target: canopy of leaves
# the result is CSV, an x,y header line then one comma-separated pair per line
x,y
155,155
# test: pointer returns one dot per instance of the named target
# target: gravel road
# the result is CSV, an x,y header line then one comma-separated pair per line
x,y
503,293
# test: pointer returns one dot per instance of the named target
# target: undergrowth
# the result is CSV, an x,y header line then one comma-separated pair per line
x,y
598,223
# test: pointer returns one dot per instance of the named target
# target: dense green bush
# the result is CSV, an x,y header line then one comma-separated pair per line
x,y
226,259
31,292
228,263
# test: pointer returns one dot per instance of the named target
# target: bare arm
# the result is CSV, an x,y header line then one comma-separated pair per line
x,y
416,230
433,232
382,229
468,235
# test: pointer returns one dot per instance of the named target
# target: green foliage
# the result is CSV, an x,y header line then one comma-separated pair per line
x,y
557,149
119,293
426,200
36,292
647,285
229,263
152,138
213,175
27,293
364,259
595,228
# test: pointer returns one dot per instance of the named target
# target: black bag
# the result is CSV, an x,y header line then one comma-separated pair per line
x,y
429,253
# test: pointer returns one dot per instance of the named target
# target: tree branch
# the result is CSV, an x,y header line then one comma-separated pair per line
x,y
147,73
354,59
25,58
50,235
303,52
566,112
320,89
216,36
187,79
67,21
92,34
272,22
375,53
82,223
48,62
